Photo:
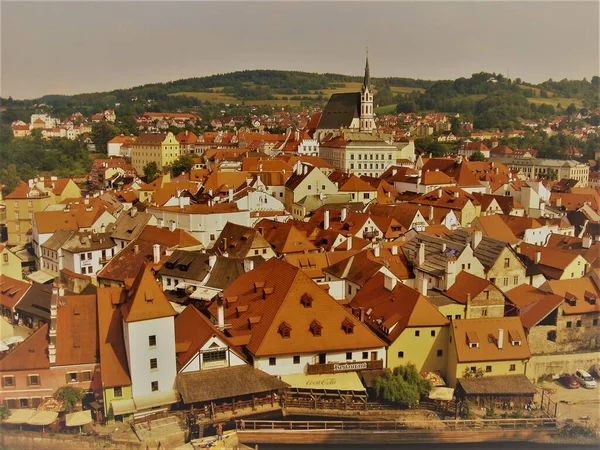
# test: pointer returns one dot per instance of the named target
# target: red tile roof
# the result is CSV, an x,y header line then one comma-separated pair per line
x,y
11,291
76,330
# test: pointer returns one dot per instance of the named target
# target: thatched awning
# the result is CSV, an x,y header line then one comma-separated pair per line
x,y
228,382
515,385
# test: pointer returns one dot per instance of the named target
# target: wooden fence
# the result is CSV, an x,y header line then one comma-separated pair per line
x,y
399,426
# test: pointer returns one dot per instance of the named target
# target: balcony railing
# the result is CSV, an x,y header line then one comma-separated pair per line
x,y
346,366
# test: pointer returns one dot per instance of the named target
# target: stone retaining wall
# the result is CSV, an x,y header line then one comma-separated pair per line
x,y
556,364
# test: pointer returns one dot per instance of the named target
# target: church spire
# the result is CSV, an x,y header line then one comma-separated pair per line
x,y
367,80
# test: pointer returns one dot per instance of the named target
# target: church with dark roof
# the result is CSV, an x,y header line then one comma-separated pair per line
x,y
351,111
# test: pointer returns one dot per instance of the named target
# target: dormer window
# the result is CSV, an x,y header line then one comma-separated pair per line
x,y
590,298
472,339
316,328
571,299
306,301
515,338
285,330
348,326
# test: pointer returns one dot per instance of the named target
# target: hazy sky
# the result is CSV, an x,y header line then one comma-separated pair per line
x,y
73,47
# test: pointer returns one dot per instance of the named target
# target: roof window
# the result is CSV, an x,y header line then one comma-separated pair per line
x,y
316,328
306,301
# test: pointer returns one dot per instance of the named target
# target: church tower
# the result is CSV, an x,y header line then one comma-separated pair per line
x,y
367,122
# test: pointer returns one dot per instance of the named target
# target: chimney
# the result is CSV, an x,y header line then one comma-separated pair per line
x,y
538,257
394,172
476,238
444,247
326,220
136,249
558,202
210,192
172,225
212,259
389,283
457,194
450,272
52,334
220,315
422,285
394,249
86,201
500,338
230,195
133,211
421,254
344,214
248,265
155,253
430,212
180,202
349,242
439,193
377,251
587,241
361,314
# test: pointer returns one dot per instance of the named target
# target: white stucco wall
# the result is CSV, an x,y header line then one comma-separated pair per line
x,y
139,354
284,364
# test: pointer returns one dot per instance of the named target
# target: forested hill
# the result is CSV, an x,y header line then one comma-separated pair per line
x,y
511,100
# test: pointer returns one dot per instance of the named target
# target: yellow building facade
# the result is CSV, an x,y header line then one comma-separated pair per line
x,y
425,347
161,148
31,197
10,264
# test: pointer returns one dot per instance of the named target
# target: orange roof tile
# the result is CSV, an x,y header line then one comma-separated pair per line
x,y
284,292
493,226
391,312
465,285
192,331
533,303
146,300
30,354
283,237
484,332
576,288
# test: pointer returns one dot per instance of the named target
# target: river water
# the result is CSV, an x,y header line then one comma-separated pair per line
x,y
477,446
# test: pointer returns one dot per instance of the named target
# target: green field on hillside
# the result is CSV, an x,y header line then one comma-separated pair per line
x,y
554,101
213,97
386,109
405,90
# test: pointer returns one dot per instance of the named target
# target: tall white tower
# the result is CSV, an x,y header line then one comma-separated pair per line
x,y
367,122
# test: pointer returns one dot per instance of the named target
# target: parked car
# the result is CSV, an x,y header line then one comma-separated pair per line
x,y
596,370
585,379
568,381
